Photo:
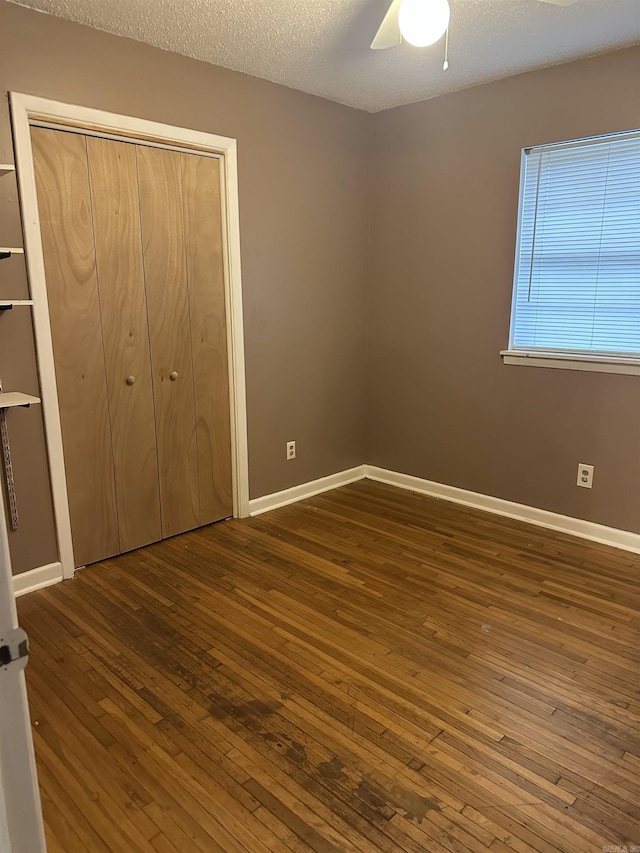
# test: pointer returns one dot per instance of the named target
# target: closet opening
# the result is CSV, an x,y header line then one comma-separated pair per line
x,y
133,255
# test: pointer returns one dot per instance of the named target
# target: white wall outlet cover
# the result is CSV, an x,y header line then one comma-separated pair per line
x,y
585,475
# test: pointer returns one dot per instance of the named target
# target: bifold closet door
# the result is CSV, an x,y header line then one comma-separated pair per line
x,y
118,246
182,239
202,210
160,187
133,248
64,203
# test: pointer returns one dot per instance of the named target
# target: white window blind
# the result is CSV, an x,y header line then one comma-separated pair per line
x,y
577,275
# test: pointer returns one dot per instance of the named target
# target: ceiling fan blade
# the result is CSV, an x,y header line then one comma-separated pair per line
x,y
560,2
389,33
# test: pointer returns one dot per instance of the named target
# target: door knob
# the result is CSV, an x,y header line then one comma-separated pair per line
x,y
130,380
173,375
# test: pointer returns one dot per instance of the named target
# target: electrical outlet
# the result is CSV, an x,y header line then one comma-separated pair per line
x,y
291,450
585,476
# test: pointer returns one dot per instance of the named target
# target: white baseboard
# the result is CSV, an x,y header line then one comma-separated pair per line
x,y
625,539
37,578
541,517
305,490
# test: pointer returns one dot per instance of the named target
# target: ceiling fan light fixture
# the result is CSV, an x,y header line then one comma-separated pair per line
x,y
423,22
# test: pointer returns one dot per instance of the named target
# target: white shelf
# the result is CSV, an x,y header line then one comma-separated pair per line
x,y
11,303
14,251
9,399
5,168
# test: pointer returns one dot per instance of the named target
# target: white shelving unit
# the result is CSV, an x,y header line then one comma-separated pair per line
x,y
13,693
6,169
10,399
8,304
7,251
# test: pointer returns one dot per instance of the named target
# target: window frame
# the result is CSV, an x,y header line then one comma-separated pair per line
x,y
560,359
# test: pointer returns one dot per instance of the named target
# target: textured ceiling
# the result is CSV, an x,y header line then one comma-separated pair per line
x,y
322,46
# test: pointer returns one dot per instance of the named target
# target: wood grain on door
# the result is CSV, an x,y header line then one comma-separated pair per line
x,y
64,203
116,217
205,268
160,190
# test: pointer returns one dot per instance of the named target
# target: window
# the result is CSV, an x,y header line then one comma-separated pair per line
x,y
576,288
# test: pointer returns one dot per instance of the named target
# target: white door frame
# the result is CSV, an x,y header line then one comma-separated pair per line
x,y
27,110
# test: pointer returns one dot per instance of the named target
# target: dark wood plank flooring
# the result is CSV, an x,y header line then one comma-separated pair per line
x,y
369,670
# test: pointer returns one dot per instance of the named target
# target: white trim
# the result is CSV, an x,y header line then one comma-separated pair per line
x,y
624,539
570,361
28,108
73,115
42,330
37,578
305,490
235,324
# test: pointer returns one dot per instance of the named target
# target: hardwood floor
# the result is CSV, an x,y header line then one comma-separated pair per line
x,y
368,670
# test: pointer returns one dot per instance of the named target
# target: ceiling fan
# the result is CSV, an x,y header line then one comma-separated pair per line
x,y
421,22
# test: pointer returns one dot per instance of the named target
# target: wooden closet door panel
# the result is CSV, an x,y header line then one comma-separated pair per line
x,y
64,204
116,216
160,188
205,269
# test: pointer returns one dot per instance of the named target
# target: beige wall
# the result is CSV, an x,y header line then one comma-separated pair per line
x,y
441,404
303,231
377,266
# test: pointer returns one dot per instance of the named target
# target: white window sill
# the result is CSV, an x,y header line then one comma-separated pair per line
x,y
566,361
